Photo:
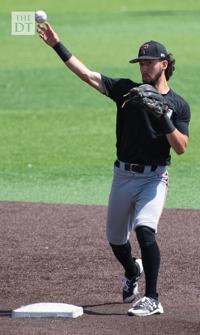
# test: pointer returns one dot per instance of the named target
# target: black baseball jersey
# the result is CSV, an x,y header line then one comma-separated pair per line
x,y
139,137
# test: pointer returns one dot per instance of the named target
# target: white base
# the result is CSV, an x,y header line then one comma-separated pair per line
x,y
47,310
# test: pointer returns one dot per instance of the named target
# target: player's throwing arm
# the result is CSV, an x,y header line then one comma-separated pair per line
x,y
49,36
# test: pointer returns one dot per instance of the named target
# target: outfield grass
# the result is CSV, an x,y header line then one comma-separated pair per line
x,y
58,135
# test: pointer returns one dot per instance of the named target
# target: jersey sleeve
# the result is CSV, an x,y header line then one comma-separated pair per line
x,y
110,87
182,119
116,88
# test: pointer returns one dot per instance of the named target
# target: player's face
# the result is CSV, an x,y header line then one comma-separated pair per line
x,y
151,71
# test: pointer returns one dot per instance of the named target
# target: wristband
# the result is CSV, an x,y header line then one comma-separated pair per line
x,y
166,124
64,54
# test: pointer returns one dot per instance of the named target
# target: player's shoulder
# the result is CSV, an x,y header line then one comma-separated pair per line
x,y
121,82
125,84
117,87
177,101
177,98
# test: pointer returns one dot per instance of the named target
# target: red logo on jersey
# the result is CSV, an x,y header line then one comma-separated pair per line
x,y
143,49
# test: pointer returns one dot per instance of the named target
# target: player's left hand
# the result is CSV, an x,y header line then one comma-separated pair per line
x,y
149,98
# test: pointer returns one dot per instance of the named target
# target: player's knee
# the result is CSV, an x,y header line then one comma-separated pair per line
x,y
145,236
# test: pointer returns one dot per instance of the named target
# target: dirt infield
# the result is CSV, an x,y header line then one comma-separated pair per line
x,y
59,253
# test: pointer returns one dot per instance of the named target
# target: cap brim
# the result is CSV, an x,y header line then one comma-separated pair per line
x,y
136,60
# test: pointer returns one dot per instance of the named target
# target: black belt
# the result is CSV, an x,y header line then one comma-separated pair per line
x,y
135,167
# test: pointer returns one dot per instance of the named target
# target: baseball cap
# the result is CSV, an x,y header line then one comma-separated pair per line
x,y
151,50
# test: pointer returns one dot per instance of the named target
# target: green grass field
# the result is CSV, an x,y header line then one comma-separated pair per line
x,y
58,135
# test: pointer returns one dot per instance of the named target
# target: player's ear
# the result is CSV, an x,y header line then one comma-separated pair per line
x,y
165,64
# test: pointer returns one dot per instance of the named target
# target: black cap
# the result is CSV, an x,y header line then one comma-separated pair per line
x,y
151,50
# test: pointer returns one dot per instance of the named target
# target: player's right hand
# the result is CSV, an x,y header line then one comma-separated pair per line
x,y
47,34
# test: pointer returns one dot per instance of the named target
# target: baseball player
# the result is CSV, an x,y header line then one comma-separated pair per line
x,y
151,119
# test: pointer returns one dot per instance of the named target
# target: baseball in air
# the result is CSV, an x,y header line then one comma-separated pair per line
x,y
40,16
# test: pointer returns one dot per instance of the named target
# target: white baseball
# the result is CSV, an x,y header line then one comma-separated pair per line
x,y
40,16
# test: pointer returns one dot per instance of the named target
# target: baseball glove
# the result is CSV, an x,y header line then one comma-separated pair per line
x,y
149,98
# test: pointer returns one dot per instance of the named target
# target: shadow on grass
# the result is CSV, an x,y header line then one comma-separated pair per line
x,y
165,13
